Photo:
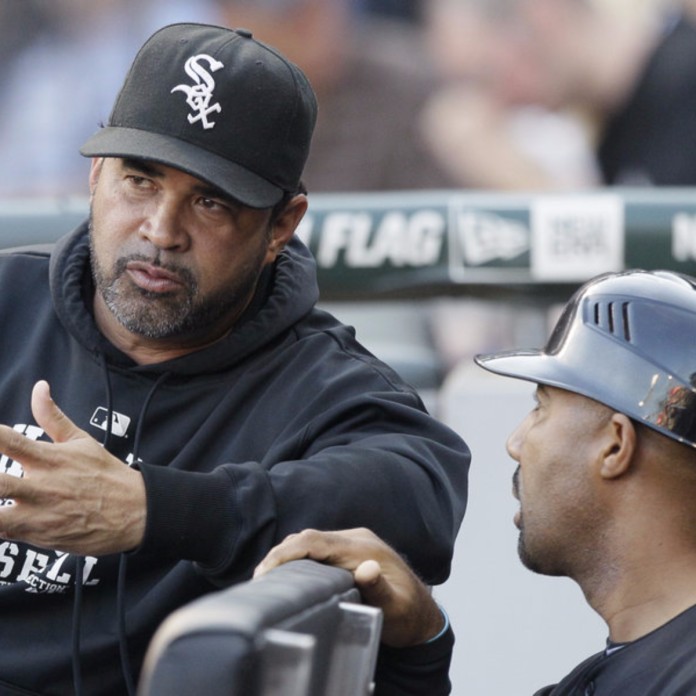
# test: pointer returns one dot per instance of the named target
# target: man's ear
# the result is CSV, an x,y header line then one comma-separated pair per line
x,y
619,448
94,172
285,225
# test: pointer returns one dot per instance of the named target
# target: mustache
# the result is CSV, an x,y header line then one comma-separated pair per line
x,y
516,483
181,272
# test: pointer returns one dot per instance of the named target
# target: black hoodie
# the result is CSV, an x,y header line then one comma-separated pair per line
x,y
286,423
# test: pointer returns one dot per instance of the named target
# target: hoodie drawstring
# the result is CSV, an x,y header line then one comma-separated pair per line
x,y
126,668
77,606
80,561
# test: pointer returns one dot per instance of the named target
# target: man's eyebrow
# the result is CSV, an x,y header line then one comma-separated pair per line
x,y
151,169
143,166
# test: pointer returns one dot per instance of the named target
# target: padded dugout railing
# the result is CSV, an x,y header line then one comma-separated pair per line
x,y
423,243
300,630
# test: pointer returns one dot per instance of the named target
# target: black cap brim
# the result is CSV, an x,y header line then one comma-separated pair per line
x,y
232,179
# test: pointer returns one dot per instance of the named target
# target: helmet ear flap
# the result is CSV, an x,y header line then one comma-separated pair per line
x,y
625,340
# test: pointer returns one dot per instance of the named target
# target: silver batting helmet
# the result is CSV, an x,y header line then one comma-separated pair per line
x,y
627,340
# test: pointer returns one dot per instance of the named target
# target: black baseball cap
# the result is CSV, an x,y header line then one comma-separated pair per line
x,y
216,104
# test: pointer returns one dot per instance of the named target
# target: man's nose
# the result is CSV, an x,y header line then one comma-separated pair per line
x,y
513,444
163,226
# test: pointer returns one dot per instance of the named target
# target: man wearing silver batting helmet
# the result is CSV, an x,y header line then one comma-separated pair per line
x,y
606,480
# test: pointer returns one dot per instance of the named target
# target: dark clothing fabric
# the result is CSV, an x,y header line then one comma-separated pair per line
x,y
650,140
286,423
661,663
416,671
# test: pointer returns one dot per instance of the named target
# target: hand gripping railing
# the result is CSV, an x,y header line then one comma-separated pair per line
x,y
300,630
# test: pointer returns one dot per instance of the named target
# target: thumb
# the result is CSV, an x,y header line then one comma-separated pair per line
x,y
48,416
373,587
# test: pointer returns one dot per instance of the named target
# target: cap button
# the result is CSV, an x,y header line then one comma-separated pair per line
x,y
244,32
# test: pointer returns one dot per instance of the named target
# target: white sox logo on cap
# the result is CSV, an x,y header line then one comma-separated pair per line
x,y
244,123
198,96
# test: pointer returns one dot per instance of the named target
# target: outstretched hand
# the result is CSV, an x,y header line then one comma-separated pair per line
x,y
74,495
384,579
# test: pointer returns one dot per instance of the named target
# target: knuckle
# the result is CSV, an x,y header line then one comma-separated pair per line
x,y
7,485
308,536
15,442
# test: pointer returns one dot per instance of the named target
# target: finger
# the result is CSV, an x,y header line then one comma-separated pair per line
x,y
14,487
49,417
17,446
288,550
309,543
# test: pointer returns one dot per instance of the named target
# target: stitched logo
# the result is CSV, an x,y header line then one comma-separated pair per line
x,y
199,95
119,422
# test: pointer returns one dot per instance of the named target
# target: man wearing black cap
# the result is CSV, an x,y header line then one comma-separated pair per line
x,y
200,407
606,480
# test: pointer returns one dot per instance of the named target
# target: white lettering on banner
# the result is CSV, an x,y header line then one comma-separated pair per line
x,y
576,237
337,231
400,239
684,237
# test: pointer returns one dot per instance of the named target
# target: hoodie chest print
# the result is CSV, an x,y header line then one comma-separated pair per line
x,y
42,571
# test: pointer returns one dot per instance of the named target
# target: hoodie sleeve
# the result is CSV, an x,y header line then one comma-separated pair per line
x,y
358,449
420,670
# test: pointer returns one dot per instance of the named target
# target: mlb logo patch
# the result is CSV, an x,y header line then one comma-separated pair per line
x,y
119,422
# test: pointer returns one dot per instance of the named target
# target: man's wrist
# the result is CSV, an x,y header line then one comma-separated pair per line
x,y
444,628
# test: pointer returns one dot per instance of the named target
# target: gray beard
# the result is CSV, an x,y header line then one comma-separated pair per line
x,y
163,316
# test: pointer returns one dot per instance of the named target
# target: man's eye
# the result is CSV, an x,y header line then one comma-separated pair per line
x,y
212,204
136,180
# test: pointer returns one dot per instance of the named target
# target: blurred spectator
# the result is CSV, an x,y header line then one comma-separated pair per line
x,y
19,24
372,79
60,83
484,139
626,74
408,10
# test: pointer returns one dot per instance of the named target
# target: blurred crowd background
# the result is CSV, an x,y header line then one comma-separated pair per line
x,y
414,94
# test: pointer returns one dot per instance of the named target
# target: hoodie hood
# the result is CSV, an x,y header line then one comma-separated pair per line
x,y
289,293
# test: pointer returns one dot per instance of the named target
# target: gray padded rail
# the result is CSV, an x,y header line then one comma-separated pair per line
x,y
300,630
